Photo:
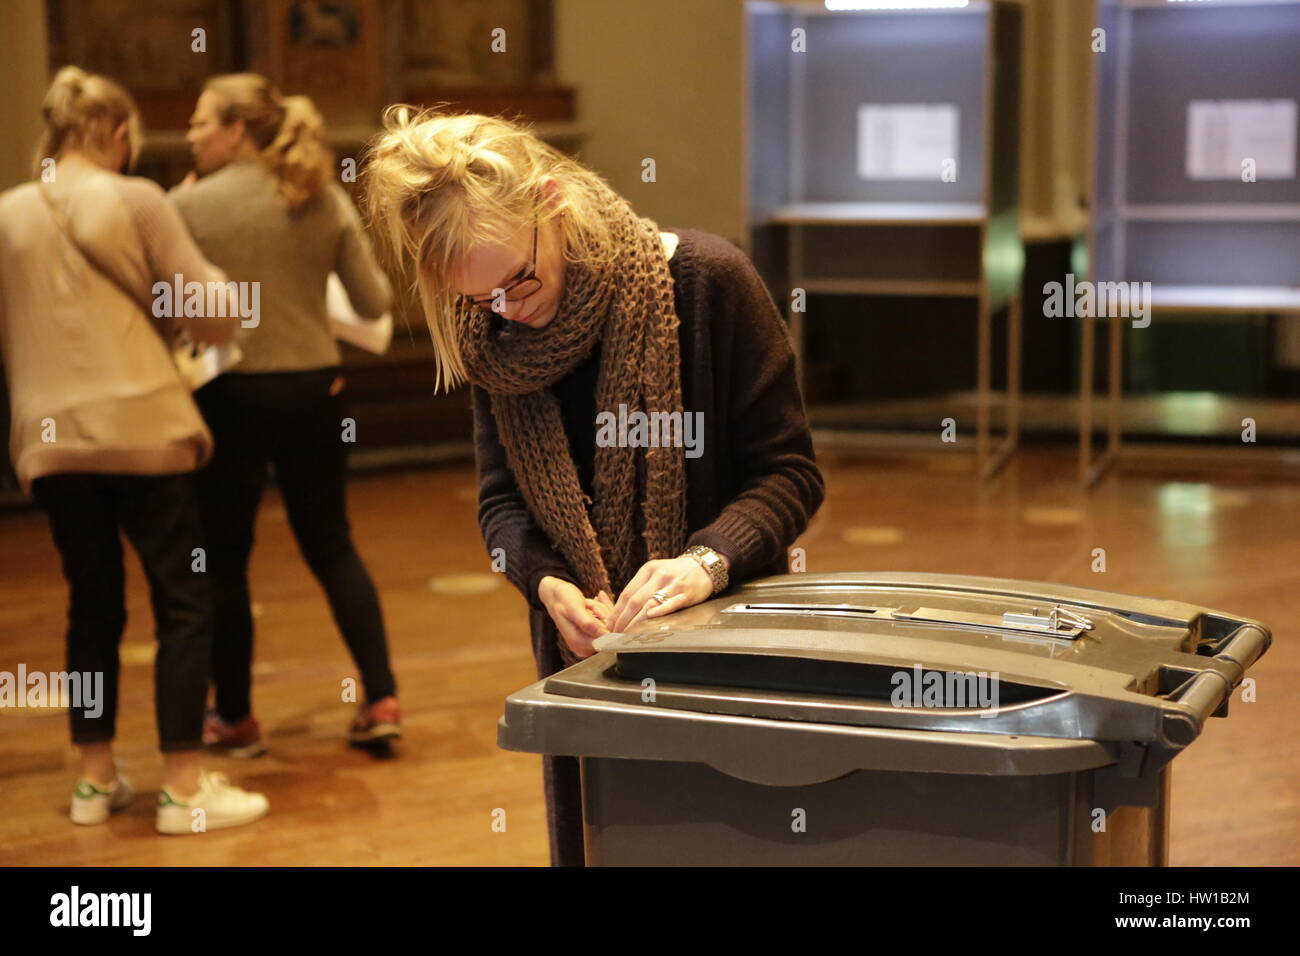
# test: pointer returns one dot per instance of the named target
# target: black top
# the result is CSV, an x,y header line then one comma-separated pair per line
x,y
577,395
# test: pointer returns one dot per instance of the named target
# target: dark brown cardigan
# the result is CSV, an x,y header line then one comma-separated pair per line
x,y
748,496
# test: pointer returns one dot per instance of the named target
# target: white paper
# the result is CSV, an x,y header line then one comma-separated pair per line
x,y
198,366
373,335
906,140
1221,134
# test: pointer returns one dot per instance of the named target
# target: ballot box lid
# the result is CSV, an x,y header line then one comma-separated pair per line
x,y
948,672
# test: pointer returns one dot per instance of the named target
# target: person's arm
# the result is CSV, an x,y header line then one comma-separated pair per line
x,y
769,442
503,516
366,284
171,251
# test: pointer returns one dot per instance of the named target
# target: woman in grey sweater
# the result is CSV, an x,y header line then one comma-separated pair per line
x,y
266,212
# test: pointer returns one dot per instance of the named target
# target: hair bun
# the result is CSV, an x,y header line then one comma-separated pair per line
x,y
83,110
60,105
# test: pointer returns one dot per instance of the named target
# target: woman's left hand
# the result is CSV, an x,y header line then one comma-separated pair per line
x,y
683,579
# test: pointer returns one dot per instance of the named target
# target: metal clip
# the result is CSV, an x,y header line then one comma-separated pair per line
x,y
1070,619
1057,619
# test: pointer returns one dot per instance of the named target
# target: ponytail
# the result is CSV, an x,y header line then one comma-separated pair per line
x,y
287,131
300,157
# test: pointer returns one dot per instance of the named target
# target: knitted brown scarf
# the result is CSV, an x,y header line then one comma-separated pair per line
x,y
627,306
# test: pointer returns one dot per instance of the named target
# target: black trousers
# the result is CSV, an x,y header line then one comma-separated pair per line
x,y
289,420
160,517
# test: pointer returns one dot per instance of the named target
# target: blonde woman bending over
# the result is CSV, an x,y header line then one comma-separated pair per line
x,y
568,313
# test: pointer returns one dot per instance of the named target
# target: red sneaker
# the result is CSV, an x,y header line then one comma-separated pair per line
x,y
378,721
242,740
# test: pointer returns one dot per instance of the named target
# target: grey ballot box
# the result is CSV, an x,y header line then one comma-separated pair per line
x,y
889,719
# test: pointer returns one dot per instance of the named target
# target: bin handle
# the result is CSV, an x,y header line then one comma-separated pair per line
x,y
1198,697
1242,647
1202,694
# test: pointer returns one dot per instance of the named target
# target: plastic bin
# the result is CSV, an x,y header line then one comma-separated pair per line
x,y
889,719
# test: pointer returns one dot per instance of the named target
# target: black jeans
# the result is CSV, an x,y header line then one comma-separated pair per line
x,y
290,420
160,517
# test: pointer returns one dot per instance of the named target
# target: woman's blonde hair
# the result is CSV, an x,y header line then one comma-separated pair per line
x,y
300,155
288,132
439,184
82,111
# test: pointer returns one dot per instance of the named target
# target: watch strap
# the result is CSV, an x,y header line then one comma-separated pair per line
x,y
712,563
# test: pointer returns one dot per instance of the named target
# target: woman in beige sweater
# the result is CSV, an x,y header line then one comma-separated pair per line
x,y
105,434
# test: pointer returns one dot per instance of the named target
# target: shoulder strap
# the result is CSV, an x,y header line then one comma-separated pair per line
x,y
168,331
61,220
196,364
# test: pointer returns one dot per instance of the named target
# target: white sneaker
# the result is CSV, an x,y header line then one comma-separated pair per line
x,y
92,805
218,804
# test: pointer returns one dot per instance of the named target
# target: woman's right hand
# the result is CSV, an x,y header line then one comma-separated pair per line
x,y
574,615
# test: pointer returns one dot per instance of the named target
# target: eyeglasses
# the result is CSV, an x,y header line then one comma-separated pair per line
x,y
516,291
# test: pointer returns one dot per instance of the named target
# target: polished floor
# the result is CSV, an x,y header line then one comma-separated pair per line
x,y
460,644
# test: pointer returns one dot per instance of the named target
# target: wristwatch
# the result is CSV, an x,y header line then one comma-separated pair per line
x,y
711,562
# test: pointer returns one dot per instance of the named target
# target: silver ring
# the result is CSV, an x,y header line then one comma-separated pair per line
x,y
660,596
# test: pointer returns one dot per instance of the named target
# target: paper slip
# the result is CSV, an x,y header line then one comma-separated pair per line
x,y
373,335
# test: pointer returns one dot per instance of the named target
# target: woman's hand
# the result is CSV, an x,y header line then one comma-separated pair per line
x,y
580,620
602,605
684,579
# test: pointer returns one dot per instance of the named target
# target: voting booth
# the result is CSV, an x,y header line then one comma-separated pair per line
x,y
1195,189
882,162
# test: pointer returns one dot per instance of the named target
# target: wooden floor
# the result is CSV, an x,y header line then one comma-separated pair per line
x,y
458,650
